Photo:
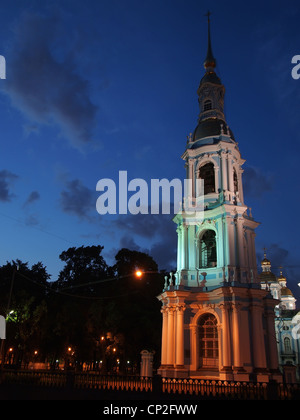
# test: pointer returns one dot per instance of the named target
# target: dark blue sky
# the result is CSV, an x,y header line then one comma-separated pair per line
x,y
96,87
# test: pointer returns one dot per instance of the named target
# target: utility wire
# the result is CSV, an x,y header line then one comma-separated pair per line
x,y
79,296
35,227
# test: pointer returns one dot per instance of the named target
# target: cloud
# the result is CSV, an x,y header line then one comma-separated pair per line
x,y
6,180
77,199
158,231
43,81
129,243
146,225
165,253
33,196
255,182
31,220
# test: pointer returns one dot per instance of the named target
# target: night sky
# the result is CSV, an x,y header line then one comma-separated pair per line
x,y
97,87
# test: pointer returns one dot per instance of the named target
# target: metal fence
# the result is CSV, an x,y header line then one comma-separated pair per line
x,y
156,386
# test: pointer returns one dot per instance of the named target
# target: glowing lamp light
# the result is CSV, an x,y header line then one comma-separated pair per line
x,y
139,273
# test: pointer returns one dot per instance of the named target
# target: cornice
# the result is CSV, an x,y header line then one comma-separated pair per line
x,y
217,149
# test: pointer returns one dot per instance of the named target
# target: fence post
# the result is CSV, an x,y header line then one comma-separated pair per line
x,y
157,384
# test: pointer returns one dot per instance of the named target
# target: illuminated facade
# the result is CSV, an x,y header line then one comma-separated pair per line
x,y
286,320
217,321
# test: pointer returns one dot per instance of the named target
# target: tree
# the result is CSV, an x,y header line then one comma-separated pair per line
x,y
74,323
138,309
23,301
83,265
88,301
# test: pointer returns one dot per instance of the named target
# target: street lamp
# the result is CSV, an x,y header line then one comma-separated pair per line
x,y
139,273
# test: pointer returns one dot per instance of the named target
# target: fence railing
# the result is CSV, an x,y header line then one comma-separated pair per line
x,y
198,388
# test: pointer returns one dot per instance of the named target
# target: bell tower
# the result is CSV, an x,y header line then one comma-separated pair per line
x,y
217,321
220,242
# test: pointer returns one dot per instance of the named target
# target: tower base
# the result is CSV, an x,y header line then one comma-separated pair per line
x,y
208,331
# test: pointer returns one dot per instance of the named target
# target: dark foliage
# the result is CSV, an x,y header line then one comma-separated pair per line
x,y
91,314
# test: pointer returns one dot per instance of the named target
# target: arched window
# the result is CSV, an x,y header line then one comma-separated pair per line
x,y
208,341
287,345
207,173
208,250
207,105
235,181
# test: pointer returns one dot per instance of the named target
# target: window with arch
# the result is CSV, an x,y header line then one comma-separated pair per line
x,y
207,173
208,249
287,345
207,105
235,181
208,341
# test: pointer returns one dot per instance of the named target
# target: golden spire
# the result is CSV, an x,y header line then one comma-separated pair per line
x,y
210,62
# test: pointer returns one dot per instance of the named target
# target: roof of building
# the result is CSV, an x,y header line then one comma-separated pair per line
x,y
281,277
267,277
210,77
210,127
285,291
265,261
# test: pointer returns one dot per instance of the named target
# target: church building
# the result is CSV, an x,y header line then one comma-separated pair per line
x,y
217,320
287,319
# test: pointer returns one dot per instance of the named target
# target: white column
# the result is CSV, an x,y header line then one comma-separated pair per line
x,y
225,251
192,177
272,345
217,185
179,247
164,341
230,175
236,336
241,192
191,246
259,353
184,247
180,335
182,250
231,241
240,244
194,356
171,347
226,345
224,171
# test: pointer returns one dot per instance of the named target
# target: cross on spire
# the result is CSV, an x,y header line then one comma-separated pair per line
x,y
208,15
265,249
